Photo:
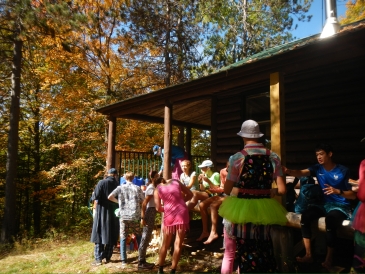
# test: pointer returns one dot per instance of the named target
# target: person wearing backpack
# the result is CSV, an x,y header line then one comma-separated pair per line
x,y
130,198
249,210
335,206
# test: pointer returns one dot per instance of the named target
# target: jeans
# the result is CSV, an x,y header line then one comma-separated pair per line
x,y
102,251
128,227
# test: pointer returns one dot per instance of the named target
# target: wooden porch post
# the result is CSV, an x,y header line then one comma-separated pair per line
x,y
110,160
213,131
180,138
277,119
188,142
277,115
167,140
282,237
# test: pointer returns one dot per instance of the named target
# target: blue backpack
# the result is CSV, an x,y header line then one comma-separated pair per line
x,y
310,194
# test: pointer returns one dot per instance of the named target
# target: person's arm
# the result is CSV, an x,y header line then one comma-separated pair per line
x,y
213,181
112,198
192,180
162,162
228,186
188,195
361,191
296,172
157,199
208,181
348,194
144,206
281,189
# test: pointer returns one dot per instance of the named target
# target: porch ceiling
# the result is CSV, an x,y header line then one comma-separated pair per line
x,y
195,114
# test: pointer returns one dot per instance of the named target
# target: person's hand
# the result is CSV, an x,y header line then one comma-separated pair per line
x,y
143,222
201,187
329,190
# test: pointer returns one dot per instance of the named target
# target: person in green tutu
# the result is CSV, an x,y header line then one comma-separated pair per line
x,y
249,210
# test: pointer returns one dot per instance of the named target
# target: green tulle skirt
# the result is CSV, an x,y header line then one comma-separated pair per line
x,y
264,211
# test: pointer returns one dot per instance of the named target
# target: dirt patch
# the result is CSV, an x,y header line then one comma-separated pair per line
x,y
198,261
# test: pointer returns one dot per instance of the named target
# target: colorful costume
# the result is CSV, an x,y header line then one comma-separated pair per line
x,y
176,214
249,211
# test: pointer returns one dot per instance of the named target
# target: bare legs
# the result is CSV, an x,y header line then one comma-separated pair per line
x,y
166,241
307,258
180,234
197,196
333,220
200,196
214,203
328,262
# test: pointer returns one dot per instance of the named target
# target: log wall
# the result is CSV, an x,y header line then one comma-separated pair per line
x,y
324,105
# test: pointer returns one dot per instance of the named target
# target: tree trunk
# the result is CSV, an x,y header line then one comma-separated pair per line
x,y
167,47
36,184
9,228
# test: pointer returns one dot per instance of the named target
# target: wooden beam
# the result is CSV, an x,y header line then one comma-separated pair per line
x,y
110,161
181,138
188,142
159,120
213,132
277,114
167,140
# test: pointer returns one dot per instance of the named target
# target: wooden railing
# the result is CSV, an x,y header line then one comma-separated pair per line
x,y
141,163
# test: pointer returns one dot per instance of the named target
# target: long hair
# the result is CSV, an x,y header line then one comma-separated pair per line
x,y
159,181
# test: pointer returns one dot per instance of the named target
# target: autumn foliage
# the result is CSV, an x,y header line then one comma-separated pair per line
x,y
80,55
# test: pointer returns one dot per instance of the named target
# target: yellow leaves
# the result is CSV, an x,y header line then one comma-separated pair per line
x,y
68,145
355,12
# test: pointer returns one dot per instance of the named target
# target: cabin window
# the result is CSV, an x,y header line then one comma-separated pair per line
x,y
258,109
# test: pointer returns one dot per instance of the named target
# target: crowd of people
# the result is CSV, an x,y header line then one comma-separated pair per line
x,y
241,193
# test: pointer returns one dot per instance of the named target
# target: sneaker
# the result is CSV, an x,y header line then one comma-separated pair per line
x,y
145,265
96,263
122,266
107,261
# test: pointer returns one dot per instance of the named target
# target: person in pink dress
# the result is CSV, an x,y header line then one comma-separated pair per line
x,y
358,223
170,197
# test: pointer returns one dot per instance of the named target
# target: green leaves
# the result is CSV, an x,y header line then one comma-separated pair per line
x,y
238,29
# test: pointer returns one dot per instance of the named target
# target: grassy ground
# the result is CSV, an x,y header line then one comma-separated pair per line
x,y
76,255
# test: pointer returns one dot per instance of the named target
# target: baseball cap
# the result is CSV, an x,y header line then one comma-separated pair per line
x,y
155,149
112,171
206,163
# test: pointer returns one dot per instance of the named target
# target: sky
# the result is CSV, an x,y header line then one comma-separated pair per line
x,y
318,20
